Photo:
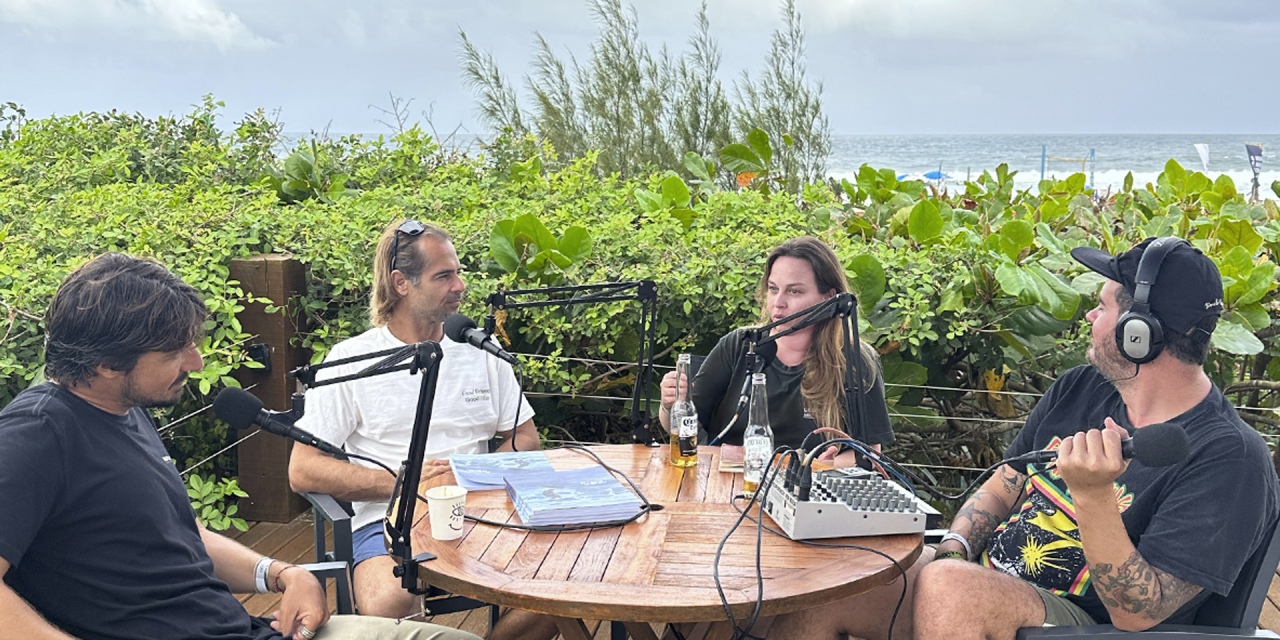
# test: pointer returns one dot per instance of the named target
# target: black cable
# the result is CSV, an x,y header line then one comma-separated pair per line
x,y
885,460
368,459
893,620
768,475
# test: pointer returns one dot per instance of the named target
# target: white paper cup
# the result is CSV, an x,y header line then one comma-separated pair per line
x,y
447,505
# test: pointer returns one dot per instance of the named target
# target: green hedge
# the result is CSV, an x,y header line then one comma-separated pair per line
x,y
964,291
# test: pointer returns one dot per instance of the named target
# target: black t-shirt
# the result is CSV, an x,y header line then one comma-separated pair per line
x,y
718,386
1198,520
98,528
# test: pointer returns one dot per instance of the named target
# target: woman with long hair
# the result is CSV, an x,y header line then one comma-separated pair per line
x,y
805,379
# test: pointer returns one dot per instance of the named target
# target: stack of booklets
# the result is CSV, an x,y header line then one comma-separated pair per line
x,y
578,496
732,458
485,471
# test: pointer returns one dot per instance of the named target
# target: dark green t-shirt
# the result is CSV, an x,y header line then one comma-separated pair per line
x,y
718,386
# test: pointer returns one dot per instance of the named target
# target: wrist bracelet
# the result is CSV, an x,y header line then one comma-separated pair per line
x,y
943,555
260,571
278,588
951,535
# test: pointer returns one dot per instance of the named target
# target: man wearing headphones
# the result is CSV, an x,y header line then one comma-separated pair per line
x,y
1094,538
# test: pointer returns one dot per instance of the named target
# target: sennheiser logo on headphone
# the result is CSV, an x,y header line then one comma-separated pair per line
x,y
1216,303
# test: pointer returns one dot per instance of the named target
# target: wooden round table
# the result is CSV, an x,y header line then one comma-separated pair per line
x,y
658,569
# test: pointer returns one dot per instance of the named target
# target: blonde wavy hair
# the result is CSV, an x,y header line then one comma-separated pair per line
x,y
824,365
409,260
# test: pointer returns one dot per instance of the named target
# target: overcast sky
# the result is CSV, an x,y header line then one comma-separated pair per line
x,y
888,66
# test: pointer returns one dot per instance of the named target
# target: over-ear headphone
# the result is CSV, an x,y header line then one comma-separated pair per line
x,y
1139,335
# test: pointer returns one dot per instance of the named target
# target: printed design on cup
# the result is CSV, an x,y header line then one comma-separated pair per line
x,y
455,518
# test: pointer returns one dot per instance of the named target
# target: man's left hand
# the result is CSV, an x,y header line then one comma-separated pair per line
x,y
1092,460
302,606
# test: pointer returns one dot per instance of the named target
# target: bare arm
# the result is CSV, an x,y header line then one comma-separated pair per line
x,y
311,470
527,438
1136,594
303,603
986,509
18,621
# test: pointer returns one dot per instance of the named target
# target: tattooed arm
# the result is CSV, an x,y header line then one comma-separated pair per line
x,y
1136,594
1145,594
986,509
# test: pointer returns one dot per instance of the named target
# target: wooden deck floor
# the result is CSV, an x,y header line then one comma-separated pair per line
x,y
294,542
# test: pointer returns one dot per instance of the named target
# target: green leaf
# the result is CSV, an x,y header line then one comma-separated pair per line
x,y
1261,280
531,225
1034,321
649,201
1128,182
685,215
1088,283
1055,296
675,192
1239,233
1235,339
697,166
1016,235
759,141
925,223
502,246
559,259
1253,316
952,300
739,158
868,281
576,243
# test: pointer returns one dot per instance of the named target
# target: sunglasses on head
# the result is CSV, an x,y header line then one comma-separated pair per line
x,y
411,228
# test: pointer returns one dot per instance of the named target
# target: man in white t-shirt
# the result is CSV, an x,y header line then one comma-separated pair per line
x,y
416,286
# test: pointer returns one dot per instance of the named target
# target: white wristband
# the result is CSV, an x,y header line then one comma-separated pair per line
x,y
951,535
260,572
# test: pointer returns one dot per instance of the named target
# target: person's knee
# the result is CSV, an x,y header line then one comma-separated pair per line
x,y
941,589
379,593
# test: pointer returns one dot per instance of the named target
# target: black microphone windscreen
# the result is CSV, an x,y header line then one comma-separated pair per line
x,y
1160,445
456,325
237,407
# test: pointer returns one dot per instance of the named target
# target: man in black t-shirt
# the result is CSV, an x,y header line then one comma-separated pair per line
x,y
99,539
1093,537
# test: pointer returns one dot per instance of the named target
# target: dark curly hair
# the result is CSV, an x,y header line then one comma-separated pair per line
x,y
111,311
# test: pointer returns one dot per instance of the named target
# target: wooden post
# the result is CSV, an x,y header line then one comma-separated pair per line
x,y
264,458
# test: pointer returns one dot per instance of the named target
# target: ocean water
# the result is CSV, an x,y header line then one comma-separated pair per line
x,y
966,156
962,157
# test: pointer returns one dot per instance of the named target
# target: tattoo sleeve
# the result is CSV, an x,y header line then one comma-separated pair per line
x,y
1137,587
986,509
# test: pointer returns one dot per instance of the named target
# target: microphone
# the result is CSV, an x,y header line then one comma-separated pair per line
x,y
242,409
460,328
1155,445
764,354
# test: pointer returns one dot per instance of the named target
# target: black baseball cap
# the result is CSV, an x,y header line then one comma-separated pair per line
x,y
1187,289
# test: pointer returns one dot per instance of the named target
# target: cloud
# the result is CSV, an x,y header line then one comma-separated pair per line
x,y
200,21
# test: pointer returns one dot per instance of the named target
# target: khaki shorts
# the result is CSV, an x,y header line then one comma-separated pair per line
x,y
1060,612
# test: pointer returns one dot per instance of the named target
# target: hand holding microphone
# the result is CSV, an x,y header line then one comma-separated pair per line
x,y
1093,459
1097,456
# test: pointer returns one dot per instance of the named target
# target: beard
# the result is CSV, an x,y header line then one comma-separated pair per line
x,y
1105,356
134,396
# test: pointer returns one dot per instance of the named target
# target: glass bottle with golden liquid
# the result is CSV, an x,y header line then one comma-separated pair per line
x,y
757,440
684,417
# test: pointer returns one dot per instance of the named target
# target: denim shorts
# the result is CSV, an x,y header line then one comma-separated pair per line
x,y
367,542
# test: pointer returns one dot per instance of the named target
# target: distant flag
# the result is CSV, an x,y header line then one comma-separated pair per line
x,y
1255,162
1203,149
